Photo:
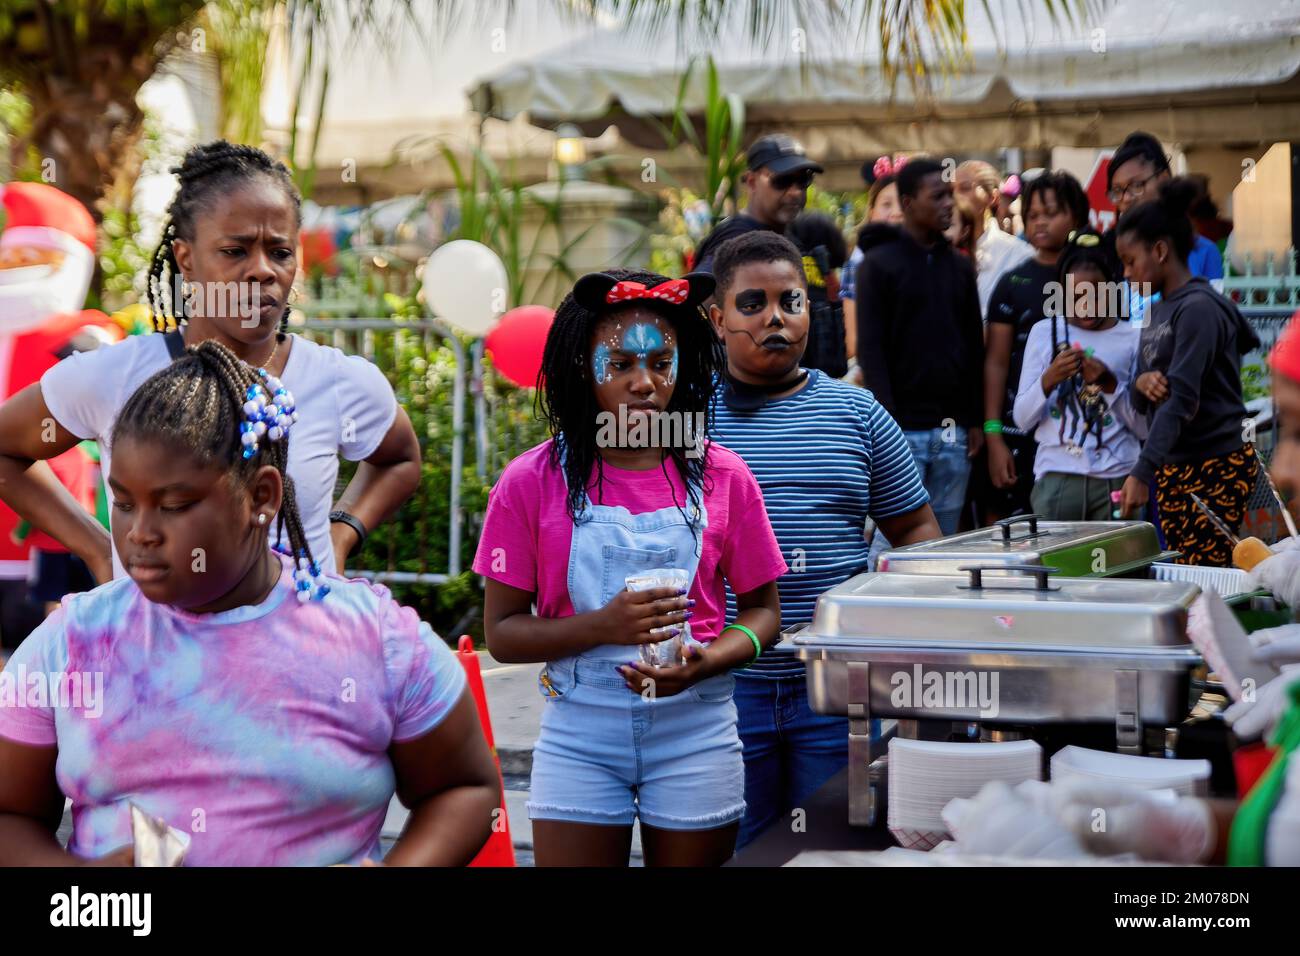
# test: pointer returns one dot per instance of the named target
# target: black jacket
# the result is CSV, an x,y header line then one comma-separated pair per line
x,y
1196,337
920,335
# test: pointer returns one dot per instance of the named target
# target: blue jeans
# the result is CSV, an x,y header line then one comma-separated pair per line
x,y
944,470
790,750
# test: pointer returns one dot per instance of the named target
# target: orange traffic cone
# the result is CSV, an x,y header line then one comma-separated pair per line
x,y
499,850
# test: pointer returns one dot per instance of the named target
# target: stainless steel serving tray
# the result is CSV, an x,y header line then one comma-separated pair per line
x,y
1000,645
1062,650
1076,548
974,610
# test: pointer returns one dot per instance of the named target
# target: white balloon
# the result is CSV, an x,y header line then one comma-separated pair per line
x,y
465,286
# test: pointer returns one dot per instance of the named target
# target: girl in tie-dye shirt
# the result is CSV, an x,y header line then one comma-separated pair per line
x,y
266,711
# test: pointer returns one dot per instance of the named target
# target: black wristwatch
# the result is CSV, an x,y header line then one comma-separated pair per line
x,y
352,523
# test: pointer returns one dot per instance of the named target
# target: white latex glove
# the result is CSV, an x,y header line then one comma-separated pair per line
x,y
999,822
1280,574
1109,818
1287,543
1277,645
1255,719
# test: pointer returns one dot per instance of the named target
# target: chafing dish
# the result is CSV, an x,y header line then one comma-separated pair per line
x,y
1076,548
997,644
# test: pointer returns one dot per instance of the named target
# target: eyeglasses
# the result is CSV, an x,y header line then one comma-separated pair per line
x,y
1133,189
802,178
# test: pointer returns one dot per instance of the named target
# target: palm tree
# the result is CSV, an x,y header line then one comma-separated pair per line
x,y
80,63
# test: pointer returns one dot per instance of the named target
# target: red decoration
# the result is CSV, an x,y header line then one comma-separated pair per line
x,y
1102,212
674,291
517,342
1285,357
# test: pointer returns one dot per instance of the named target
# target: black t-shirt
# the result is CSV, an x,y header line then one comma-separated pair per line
x,y
1019,300
729,228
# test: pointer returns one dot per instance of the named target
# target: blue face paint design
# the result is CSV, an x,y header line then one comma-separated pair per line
x,y
642,339
600,362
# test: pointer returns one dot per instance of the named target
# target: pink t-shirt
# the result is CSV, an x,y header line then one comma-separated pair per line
x,y
527,532
262,732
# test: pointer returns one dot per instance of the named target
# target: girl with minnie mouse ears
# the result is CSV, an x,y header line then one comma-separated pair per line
x,y
639,721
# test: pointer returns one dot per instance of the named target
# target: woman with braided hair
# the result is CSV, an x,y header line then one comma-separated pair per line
x,y
222,271
265,709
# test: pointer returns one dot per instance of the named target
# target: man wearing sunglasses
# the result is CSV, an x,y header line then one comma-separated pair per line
x,y
777,180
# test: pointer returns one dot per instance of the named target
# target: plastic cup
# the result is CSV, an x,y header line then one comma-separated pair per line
x,y
668,652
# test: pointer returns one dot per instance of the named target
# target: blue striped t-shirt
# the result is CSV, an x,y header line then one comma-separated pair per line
x,y
826,458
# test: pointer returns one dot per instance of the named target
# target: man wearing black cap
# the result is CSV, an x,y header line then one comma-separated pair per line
x,y
777,179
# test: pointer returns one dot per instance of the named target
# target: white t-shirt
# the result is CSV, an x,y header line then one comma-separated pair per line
x,y
995,254
1068,450
345,406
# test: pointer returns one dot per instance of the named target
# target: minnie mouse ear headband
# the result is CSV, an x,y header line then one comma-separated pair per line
x,y
600,292
884,166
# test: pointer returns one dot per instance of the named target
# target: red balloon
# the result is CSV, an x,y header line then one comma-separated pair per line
x,y
517,343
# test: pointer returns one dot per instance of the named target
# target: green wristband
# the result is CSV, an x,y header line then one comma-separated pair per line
x,y
758,645
993,427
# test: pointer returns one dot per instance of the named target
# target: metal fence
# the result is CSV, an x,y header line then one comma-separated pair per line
x,y
469,425
1270,283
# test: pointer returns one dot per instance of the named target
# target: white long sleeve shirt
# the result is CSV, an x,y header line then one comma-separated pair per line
x,y
1041,414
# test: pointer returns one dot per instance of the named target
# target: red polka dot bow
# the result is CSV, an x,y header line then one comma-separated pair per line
x,y
674,291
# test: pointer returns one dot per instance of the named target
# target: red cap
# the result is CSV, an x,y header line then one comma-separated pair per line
x,y
1285,357
41,205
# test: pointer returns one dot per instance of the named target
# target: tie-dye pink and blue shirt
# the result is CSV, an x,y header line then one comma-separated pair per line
x,y
262,731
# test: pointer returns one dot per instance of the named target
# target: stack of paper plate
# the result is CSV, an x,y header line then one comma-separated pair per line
x,y
1185,777
924,775
1226,582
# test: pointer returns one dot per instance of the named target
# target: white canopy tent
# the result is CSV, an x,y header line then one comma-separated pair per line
x,y
1193,72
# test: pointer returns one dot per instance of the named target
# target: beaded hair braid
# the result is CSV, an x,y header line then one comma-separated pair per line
x,y
197,403
207,172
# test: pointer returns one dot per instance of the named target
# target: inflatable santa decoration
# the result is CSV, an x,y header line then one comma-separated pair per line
x,y
47,258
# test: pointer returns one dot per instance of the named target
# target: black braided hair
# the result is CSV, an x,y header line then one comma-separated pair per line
x,y
197,403
566,395
1067,190
207,172
1085,248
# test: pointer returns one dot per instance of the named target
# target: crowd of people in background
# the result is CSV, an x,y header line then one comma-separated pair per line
x,y
904,305
1002,358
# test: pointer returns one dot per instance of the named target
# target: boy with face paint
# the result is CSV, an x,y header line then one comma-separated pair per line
x,y
827,457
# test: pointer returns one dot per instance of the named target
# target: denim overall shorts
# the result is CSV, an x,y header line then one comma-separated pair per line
x,y
606,754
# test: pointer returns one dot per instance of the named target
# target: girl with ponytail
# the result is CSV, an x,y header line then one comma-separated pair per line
x,y
263,707
1188,383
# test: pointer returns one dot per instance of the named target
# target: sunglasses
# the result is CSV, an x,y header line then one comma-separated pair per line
x,y
803,178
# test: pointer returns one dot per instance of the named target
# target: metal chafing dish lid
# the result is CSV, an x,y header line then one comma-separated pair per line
x,y
1006,610
1029,539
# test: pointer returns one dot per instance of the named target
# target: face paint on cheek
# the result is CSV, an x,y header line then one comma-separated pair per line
x,y
792,302
600,363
